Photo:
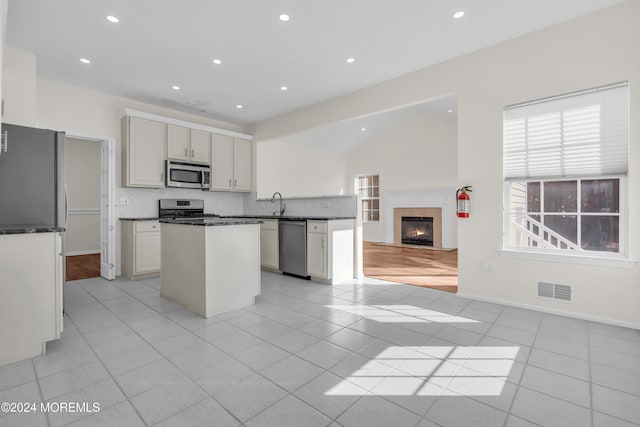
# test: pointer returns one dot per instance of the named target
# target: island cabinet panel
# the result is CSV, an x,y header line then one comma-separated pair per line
x,y
210,269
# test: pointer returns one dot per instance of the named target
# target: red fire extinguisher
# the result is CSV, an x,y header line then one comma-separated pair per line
x,y
462,197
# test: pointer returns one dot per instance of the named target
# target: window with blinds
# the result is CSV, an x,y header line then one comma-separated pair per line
x,y
564,160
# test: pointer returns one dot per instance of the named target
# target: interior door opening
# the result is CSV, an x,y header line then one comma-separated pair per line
x,y
89,237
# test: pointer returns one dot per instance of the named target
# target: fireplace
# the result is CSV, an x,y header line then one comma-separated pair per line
x,y
417,230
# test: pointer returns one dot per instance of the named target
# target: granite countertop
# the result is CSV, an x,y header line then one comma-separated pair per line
x,y
140,219
285,217
211,221
293,218
29,228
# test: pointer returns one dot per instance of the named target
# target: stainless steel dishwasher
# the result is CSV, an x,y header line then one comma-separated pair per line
x,y
293,247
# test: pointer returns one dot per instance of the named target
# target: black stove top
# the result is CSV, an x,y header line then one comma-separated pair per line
x,y
181,208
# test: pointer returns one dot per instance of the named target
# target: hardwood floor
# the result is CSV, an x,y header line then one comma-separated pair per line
x,y
414,266
82,267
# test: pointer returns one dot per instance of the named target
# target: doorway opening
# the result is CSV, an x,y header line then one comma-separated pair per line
x,y
90,236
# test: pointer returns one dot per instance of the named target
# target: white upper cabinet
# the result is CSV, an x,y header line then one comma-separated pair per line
x,y
200,146
231,163
143,152
178,138
241,164
148,140
222,162
189,145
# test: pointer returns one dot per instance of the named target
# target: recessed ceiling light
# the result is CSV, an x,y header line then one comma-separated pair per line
x,y
284,17
175,87
449,111
217,61
351,60
284,88
239,107
113,19
459,14
85,61
363,129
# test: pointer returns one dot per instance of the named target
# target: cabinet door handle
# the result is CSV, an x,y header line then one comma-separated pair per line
x,y
229,183
185,152
235,182
192,152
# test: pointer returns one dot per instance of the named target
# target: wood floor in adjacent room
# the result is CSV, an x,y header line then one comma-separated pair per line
x,y
82,267
431,268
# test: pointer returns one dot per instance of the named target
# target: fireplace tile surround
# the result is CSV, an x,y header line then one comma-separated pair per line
x,y
435,213
440,198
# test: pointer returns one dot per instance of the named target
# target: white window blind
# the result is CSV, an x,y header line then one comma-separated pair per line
x,y
580,134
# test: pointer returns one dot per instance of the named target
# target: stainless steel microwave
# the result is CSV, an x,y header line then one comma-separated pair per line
x,y
187,175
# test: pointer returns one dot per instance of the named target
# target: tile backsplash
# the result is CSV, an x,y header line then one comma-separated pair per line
x,y
143,203
341,206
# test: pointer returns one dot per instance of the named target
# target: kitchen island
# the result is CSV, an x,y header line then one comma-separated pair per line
x,y
210,265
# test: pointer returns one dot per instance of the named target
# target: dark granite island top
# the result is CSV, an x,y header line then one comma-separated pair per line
x,y
293,218
29,228
211,221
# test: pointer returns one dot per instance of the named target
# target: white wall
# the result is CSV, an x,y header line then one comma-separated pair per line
x,y
19,88
297,170
82,167
417,153
590,51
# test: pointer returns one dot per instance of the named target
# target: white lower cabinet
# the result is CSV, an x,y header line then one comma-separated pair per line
x,y
269,251
317,255
30,294
330,250
140,249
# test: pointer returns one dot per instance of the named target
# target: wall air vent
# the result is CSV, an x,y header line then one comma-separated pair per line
x,y
554,291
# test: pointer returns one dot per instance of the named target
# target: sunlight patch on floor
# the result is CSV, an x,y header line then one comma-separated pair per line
x,y
432,371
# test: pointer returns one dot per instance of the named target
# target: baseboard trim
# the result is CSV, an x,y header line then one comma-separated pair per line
x,y
573,314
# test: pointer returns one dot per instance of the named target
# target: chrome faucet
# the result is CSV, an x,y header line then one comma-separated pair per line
x,y
283,207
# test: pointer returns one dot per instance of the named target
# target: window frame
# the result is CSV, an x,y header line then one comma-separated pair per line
x,y
363,199
580,253
523,164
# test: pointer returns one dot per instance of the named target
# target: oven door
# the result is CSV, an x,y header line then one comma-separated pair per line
x,y
186,175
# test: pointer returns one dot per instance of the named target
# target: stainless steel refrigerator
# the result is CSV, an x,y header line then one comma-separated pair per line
x,y
32,188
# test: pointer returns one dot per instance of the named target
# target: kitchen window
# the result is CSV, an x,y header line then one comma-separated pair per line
x,y
368,188
565,166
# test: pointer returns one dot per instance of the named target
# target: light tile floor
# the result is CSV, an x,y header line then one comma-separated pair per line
x,y
368,353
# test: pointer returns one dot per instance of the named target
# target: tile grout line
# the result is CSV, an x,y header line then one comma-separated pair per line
x,y
232,356
35,373
163,356
107,370
526,363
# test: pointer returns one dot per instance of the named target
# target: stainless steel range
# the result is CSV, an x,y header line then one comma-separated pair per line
x,y
181,209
